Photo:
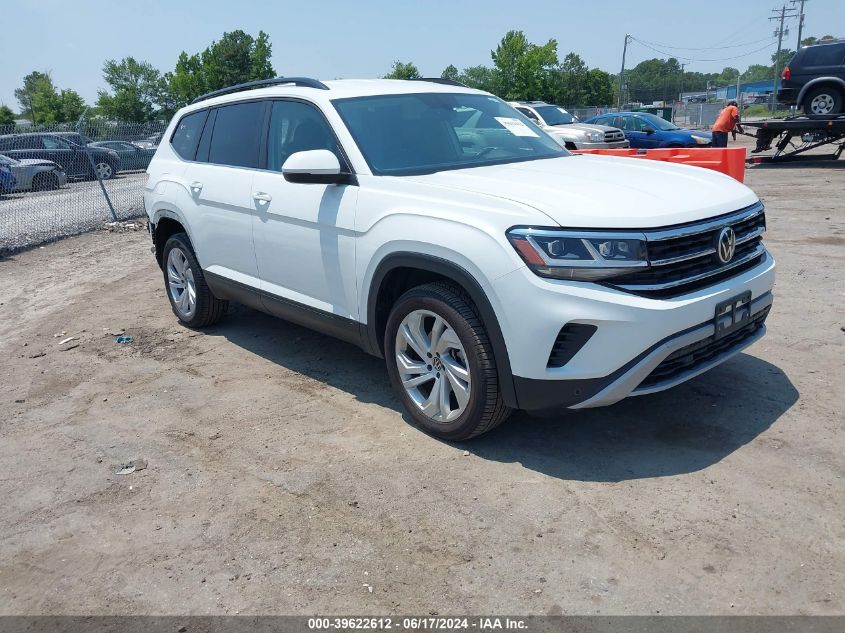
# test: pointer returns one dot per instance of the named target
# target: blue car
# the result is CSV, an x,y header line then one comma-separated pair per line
x,y
649,131
7,178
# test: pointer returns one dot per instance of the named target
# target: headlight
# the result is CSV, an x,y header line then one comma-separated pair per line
x,y
587,256
595,137
701,140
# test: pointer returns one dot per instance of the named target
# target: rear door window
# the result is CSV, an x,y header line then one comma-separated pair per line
x,y
236,137
187,134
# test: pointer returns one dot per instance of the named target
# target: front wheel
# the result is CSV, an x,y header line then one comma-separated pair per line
x,y
103,171
441,363
190,297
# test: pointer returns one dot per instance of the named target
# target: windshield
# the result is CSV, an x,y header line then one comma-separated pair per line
x,y
657,123
408,134
554,115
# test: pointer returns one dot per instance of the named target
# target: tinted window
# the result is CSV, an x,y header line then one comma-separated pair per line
x,y
528,113
237,135
52,142
187,134
297,127
826,55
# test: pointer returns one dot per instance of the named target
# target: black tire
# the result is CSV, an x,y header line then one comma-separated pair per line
x,y
208,309
45,181
827,94
485,408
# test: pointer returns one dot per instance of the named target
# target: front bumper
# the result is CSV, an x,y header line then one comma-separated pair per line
x,y
633,336
615,145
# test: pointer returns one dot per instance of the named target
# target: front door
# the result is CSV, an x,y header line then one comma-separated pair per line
x,y
304,233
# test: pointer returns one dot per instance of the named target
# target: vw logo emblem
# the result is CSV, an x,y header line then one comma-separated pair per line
x,y
726,245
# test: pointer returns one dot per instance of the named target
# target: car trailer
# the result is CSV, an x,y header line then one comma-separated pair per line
x,y
809,132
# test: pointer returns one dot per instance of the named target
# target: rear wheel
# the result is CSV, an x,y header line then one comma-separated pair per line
x,y
824,100
190,297
441,364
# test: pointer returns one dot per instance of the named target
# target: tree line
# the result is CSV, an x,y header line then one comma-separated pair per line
x,y
520,70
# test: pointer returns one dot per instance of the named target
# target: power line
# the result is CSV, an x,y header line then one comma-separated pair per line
x,y
693,59
707,48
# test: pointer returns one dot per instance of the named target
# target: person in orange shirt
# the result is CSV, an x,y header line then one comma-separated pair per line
x,y
725,122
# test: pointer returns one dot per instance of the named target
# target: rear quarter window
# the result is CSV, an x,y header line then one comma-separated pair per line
x,y
824,55
187,134
237,135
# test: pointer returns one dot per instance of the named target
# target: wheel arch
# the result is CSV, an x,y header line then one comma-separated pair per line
x,y
164,223
819,82
390,280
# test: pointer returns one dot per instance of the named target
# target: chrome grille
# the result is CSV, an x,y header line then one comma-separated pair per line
x,y
683,258
612,137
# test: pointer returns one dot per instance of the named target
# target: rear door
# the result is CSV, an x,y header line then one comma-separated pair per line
x,y
219,183
71,158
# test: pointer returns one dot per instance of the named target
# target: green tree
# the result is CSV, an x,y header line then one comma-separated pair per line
x,y
236,58
401,70
71,105
451,73
522,70
757,72
778,62
810,41
599,88
38,98
136,90
478,77
572,81
7,117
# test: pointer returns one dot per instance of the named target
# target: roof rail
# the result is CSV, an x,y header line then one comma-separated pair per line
x,y
263,83
441,80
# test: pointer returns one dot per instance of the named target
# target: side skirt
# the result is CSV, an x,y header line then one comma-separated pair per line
x,y
321,321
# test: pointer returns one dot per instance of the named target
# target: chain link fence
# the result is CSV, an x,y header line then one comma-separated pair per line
x,y
64,179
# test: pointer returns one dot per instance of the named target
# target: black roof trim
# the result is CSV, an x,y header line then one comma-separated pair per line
x,y
440,80
307,82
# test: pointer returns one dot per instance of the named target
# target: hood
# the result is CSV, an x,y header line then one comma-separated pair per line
x,y
599,192
584,127
34,162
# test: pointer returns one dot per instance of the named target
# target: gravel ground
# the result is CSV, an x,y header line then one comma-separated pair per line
x,y
35,217
277,473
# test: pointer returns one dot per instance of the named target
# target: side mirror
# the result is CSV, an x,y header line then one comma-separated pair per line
x,y
316,167
648,130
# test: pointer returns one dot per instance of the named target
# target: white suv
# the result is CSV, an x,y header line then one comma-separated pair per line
x,y
436,226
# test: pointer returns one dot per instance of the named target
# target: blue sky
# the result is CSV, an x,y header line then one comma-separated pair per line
x,y
334,38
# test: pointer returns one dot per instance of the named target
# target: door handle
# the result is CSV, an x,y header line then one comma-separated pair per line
x,y
260,196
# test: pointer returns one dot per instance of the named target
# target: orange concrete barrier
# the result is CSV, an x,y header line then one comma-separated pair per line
x,y
730,160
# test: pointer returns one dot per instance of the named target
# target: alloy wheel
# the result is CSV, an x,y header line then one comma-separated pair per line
x,y
432,365
103,171
822,104
180,283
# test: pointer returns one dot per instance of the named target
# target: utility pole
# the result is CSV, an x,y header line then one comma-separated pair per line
x,y
622,72
780,33
800,4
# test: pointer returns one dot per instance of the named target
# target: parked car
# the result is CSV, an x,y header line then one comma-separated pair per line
x,y
437,227
814,79
7,178
649,131
131,156
73,158
568,130
35,174
149,142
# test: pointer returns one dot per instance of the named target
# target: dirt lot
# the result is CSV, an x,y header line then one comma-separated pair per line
x,y
283,478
